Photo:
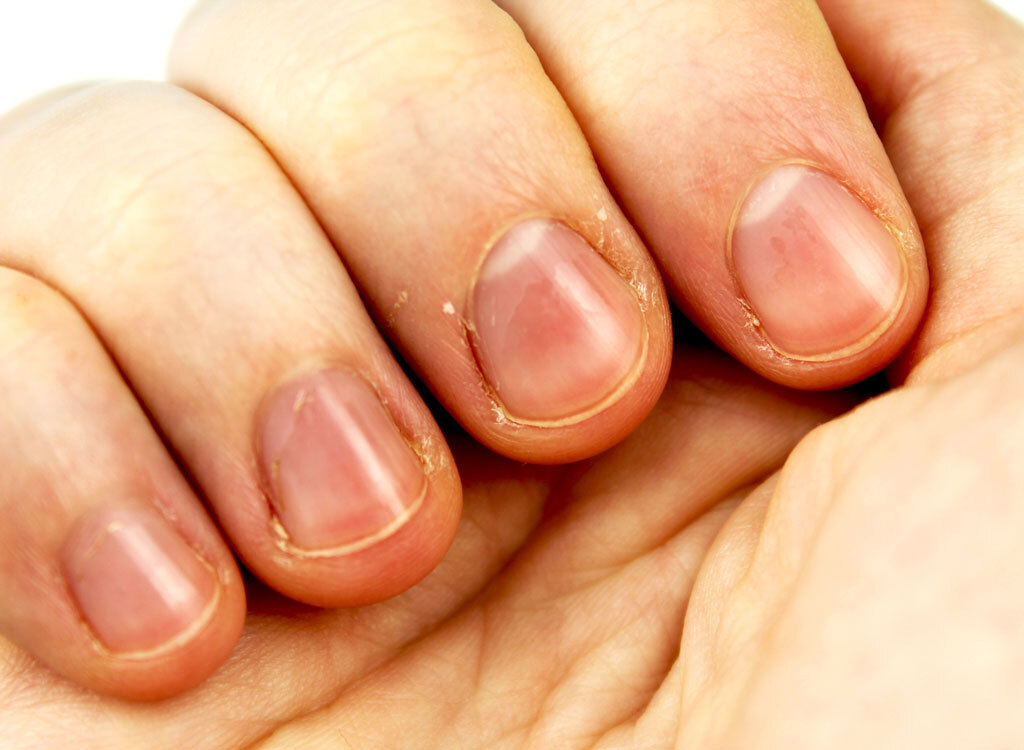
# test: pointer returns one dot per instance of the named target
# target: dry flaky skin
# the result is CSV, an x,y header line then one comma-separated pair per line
x,y
815,615
703,584
538,628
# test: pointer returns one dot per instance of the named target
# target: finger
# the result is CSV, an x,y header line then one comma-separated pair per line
x,y
946,80
611,574
462,197
110,571
212,285
740,148
504,502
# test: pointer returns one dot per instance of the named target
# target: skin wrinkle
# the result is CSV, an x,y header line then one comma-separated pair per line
x,y
397,651
783,597
142,190
593,639
674,628
584,650
715,517
913,79
288,716
813,545
823,439
735,29
905,122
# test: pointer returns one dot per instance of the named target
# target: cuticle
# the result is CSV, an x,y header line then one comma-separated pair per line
x,y
282,539
220,579
189,634
502,413
285,544
872,336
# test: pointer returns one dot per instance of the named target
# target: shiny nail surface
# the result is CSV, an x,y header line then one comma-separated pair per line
x,y
134,579
557,330
818,268
340,473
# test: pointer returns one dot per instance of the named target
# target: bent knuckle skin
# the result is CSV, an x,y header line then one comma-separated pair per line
x,y
131,168
970,115
372,82
33,318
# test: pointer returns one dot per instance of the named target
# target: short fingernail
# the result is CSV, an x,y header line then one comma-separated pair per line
x,y
557,329
819,270
135,580
340,473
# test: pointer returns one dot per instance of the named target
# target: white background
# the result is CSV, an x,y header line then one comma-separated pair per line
x,y
48,43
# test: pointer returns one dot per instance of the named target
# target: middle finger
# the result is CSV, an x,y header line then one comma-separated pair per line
x,y
464,200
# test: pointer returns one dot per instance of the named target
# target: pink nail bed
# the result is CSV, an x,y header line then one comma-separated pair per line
x,y
557,330
134,579
818,268
340,473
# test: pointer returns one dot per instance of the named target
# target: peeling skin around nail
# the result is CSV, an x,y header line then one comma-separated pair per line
x,y
500,417
642,293
850,236
423,448
601,234
333,431
403,297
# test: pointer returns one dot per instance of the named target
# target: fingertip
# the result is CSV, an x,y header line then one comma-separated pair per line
x,y
145,615
557,332
358,497
179,665
584,369
366,575
833,282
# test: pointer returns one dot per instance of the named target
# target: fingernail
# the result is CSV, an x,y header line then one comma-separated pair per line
x,y
817,267
134,579
339,471
557,329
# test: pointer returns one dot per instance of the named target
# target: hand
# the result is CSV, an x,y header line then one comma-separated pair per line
x,y
573,641
173,279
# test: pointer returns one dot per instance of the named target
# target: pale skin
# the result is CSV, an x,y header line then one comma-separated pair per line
x,y
745,566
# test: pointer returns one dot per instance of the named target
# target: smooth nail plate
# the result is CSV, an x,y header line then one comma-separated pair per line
x,y
339,471
134,579
819,269
557,329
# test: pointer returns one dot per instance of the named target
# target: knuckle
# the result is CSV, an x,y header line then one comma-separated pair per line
x,y
453,62
361,75
21,294
149,164
971,114
38,105
32,315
